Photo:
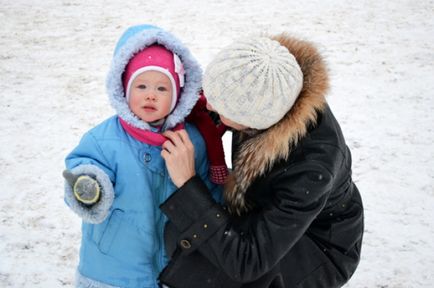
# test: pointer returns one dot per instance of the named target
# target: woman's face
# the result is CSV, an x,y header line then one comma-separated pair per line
x,y
227,121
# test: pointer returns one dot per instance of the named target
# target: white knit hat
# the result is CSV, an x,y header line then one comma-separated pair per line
x,y
253,82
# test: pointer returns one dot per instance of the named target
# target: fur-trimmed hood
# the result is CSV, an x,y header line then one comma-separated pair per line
x,y
257,154
135,39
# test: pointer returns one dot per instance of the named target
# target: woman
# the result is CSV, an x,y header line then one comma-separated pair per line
x,y
294,217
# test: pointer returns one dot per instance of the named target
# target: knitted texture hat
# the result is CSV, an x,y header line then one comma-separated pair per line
x,y
254,82
155,58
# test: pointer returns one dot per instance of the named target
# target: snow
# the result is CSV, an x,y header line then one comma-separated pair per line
x,y
54,56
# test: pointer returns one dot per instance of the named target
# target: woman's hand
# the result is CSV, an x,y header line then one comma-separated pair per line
x,y
178,152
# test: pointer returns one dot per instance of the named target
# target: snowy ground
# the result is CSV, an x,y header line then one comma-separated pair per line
x,y
53,59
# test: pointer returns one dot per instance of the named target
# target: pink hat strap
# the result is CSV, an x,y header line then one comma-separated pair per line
x,y
179,69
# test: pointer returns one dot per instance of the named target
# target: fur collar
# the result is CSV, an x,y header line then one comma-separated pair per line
x,y
257,154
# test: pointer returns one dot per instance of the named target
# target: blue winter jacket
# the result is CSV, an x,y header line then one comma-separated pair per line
x,y
122,235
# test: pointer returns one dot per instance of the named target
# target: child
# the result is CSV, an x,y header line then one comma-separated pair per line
x,y
116,178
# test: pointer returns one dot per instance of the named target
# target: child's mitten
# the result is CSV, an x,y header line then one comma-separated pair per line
x,y
86,189
212,133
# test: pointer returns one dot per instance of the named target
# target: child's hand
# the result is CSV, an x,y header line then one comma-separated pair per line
x,y
86,189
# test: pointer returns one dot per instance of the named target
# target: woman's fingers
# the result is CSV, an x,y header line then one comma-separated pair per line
x,y
178,153
165,155
174,137
186,140
179,139
168,146
184,137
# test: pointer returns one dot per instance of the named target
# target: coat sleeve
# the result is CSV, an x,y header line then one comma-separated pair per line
x,y
245,254
88,158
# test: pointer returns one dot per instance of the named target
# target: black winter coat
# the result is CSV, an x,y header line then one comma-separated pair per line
x,y
296,217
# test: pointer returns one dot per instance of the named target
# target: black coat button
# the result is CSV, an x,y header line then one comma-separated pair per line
x,y
185,244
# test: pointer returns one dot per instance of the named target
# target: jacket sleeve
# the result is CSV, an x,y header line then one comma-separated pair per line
x,y
246,253
88,158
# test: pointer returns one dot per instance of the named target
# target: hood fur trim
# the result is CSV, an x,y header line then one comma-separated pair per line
x,y
256,155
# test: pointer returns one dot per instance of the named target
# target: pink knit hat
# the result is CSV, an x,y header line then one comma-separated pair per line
x,y
155,58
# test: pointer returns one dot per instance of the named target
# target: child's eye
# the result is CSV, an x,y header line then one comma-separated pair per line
x,y
162,89
142,86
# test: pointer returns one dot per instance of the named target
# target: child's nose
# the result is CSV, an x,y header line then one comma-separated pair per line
x,y
150,96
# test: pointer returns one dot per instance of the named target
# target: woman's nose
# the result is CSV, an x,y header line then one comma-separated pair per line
x,y
209,107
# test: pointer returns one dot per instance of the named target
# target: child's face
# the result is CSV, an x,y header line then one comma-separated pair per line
x,y
151,96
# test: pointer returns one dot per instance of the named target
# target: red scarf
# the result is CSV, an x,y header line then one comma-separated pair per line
x,y
145,136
